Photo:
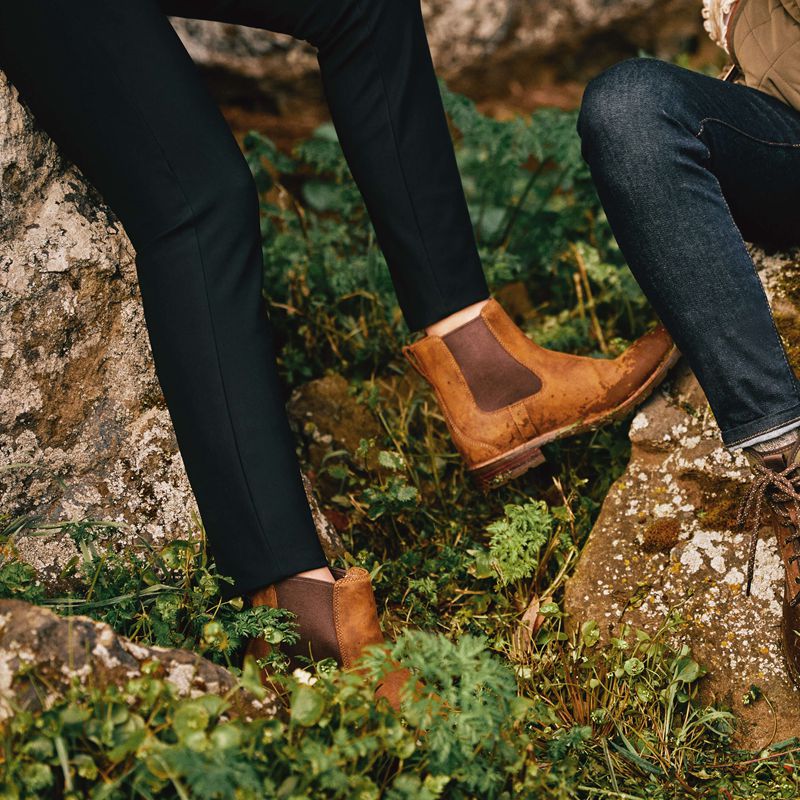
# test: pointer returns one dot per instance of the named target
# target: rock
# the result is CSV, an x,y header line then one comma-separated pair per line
x,y
329,418
84,430
516,301
481,48
41,650
666,538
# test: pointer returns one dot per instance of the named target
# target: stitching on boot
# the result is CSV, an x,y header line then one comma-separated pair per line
x,y
337,620
495,377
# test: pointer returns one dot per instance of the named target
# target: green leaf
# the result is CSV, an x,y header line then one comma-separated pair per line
x,y
321,195
327,131
590,633
189,719
687,670
226,737
307,706
633,666
391,460
517,540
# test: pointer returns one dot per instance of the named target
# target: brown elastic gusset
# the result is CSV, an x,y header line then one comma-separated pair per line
x,y
495,378
312,601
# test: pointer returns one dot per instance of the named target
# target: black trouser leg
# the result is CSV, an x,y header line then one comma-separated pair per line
x,y
112,84
115,88
386,106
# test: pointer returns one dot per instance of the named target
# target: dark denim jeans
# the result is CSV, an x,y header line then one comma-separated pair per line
x,y
685,166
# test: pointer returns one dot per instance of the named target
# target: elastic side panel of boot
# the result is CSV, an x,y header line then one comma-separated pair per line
x,y
495,378
312,602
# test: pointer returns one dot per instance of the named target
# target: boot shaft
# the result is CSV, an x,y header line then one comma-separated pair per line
x,y
334,620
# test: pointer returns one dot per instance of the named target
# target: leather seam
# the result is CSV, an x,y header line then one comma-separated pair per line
x,y
337,618
517,426
524,414
463,381
449,416
487,446
499,341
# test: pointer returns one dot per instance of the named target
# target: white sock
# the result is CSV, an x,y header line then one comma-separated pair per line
x,y
772,441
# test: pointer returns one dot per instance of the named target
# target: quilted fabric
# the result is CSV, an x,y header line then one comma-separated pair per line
x,y
764,39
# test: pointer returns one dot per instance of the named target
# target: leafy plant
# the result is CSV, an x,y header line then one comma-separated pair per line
x,y
572,714
517,540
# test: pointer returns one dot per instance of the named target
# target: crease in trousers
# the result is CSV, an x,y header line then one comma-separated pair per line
x,y
112,84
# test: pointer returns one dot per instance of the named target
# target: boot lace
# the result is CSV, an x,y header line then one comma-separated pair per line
x,y
781,491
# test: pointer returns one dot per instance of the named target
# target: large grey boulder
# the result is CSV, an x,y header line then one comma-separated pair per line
x,y
666,539
84,430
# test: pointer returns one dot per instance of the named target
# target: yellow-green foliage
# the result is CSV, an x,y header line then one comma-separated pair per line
x,y
550,715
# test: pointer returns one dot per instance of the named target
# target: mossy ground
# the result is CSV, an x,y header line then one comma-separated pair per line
x,y
537,714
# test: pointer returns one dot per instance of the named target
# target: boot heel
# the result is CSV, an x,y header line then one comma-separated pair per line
x,y
507,467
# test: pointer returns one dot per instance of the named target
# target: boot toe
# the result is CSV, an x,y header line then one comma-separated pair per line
x,y
643,364
648,352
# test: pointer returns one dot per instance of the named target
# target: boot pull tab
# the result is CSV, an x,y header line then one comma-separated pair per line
x,y
413,359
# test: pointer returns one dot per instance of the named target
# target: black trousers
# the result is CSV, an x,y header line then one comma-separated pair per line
x,y
110,81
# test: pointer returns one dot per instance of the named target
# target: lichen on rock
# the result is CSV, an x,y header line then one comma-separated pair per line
x,y
681,480
40,649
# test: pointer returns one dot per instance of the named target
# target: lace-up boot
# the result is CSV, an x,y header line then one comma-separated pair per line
x,y
776,490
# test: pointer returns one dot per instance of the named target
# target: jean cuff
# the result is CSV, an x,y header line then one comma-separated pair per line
x,y
736,437
769,436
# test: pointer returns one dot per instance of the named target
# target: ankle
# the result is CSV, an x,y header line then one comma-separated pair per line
x,y
456,320
319,574
776,453
769,444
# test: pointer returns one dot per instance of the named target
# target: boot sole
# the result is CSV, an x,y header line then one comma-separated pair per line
x,y
501,469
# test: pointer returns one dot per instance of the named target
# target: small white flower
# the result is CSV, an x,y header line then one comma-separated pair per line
x,y
304,677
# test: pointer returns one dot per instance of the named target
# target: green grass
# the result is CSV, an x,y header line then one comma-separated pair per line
x,y
552,714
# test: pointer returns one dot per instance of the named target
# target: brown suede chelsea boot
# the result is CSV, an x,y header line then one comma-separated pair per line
x,y
503,396
335,620
776,483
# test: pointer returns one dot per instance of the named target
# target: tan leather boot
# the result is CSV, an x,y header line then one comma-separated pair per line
x,y
777,481
503,396
335,620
